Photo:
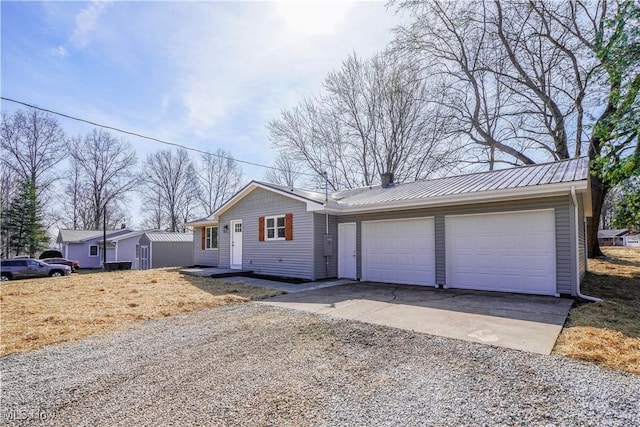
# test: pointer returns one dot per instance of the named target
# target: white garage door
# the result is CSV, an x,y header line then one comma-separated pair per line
x,y
399,251
509,252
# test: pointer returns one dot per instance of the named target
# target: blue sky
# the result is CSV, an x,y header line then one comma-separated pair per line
x,y
204,74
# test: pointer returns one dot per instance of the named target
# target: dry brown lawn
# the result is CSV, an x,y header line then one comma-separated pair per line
x,y
38,312
607,332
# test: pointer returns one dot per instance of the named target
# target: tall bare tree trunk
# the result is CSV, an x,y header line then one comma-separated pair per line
x,y
599,191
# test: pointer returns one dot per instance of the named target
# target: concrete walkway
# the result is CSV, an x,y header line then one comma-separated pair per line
x,y
522,322
290,288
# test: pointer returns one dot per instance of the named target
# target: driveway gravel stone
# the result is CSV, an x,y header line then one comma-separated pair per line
x,y
252,364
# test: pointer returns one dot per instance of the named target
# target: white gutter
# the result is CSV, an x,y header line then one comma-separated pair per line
x,y
575,210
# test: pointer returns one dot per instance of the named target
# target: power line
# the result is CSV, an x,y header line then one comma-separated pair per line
x,y
197,150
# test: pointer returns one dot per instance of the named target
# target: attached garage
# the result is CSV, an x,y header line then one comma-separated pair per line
x,y
508,252
399,251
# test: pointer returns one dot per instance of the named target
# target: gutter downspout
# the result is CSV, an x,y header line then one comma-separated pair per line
x,y
575,210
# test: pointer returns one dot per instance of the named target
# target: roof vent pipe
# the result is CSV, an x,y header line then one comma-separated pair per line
x,y
386,179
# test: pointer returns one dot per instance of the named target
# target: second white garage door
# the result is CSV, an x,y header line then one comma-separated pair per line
x,y
509,252
399,251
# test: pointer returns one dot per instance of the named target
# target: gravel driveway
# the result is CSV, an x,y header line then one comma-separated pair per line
x,y
252,364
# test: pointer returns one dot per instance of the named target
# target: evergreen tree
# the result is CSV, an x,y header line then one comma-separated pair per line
x,y
22,222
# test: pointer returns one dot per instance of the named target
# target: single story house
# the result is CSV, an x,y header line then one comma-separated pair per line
x,y
138,247
86,246
614,237
514,230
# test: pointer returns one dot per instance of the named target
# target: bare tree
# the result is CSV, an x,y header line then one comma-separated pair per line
x,y
220,178
106,170
286,171
33,144
154,216
547,66
375,117
171,180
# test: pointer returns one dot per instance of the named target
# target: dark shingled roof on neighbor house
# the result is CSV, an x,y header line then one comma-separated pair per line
x,y
561,172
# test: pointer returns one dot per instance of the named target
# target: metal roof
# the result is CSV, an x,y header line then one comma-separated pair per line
x,y
129,235
565,171
160,236
528,179
608,234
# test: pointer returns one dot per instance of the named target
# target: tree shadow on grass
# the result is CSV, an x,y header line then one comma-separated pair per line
x,y
222,287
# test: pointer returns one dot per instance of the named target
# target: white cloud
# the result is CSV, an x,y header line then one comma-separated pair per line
x,y
86,22
254,59
59,52
313,18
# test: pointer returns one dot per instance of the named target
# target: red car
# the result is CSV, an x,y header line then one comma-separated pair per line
x,y
71,263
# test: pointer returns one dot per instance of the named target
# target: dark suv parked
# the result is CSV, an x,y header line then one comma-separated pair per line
x,y
29,268
50,254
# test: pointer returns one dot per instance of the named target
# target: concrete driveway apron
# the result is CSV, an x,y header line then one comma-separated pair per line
x,y
523,322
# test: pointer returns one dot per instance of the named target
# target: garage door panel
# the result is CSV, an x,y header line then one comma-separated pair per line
x,y
399,251
511,252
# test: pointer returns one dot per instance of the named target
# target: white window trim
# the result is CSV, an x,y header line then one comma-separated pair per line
x,y
275,227
206,247
97,251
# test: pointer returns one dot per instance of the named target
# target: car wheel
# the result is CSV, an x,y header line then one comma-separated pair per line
x,y
4,278
56,273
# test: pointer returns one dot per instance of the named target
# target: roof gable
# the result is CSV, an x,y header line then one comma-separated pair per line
x,y
312,199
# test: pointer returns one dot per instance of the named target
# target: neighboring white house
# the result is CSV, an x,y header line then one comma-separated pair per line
x,y
632,240
612,237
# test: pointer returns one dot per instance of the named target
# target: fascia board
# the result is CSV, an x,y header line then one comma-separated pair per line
x,y
202,223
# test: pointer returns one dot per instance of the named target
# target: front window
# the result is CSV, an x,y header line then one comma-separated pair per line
x,y
274,227
93,250
211,238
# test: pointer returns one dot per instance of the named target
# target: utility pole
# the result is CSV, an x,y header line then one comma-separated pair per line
x,y
104,237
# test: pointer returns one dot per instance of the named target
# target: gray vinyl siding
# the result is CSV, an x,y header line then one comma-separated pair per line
x,y
127,251
441,277
582,240
80,252
203,257
322,269
171,254
565,250
565,264
286,258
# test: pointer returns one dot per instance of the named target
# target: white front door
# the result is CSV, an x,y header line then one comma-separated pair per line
x,y
347,250
236,244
